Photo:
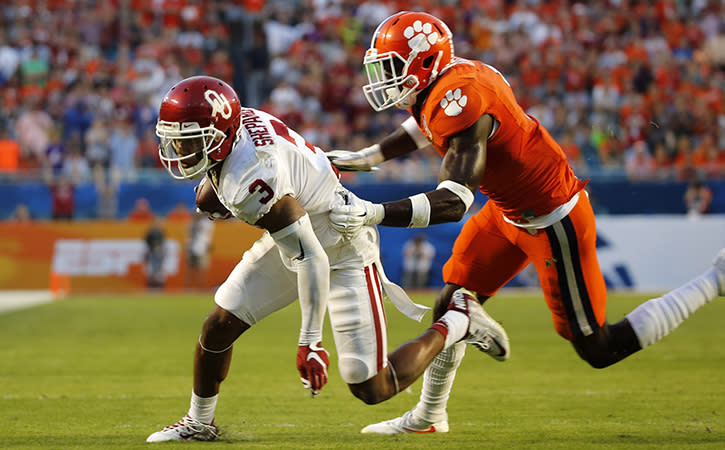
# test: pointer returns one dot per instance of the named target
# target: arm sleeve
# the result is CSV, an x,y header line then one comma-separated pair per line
x,y
298,243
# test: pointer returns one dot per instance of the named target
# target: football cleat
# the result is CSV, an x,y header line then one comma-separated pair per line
x,y
187,429
484,332
406,424
719,264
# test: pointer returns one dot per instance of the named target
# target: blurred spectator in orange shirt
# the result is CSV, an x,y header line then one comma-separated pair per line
x,y
708,157
687,163
714,165
180,213
663,168
141,211
9,152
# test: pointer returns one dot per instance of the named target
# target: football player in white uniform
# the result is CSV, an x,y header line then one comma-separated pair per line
x,y
269,176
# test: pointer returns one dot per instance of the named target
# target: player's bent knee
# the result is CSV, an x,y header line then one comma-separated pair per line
x,y
372,391
607,345
367,394
361,380
354,370
595,358
375,388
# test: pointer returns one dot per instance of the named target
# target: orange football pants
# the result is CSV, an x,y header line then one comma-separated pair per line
x,y
489,252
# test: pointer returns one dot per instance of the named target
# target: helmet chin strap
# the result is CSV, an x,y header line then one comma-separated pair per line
x,y
198,169
408,95
408,101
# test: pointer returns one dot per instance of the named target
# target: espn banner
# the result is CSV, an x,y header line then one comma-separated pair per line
x,y
657,253
100,256
652,253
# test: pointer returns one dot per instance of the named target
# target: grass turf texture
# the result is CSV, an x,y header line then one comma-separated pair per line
x,y
105,372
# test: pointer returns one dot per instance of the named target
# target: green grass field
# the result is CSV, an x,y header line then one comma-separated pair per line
x,y
105,372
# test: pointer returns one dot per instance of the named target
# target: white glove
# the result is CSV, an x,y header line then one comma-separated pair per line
x,y
359,161
348,219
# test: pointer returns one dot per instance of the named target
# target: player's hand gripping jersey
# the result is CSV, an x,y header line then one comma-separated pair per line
x,y
526,174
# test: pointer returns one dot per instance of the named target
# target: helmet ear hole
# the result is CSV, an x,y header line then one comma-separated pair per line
x,y
428,62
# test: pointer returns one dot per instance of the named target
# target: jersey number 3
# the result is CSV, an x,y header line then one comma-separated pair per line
x,y
263,188
259,184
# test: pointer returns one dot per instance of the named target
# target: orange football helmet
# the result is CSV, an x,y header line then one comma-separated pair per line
x,y
408,51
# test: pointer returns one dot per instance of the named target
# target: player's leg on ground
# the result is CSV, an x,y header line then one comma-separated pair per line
x,y
463,317
258,286
480,244
211,365
213,354
429,415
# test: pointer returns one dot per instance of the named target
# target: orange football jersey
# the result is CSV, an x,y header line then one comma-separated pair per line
x,y
527,174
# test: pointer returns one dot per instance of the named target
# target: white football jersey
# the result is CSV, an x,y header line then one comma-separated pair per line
x,y
271,161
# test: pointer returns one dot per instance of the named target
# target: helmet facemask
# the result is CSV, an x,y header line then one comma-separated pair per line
x,y
185,147
388,83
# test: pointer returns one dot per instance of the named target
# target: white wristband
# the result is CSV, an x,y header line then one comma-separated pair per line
x,y
411,127
421,211
460,190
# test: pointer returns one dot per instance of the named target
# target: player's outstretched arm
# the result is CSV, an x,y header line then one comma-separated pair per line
x,y
290,227
407,138
460,176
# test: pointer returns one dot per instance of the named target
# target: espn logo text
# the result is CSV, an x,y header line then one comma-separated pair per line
x,y
103,257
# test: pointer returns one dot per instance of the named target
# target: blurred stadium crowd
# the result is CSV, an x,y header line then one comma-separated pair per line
x,y
629,88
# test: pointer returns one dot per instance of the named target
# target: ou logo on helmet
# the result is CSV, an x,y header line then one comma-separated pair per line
x,y
219,104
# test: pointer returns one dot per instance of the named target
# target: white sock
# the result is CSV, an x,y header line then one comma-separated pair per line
x,y
202,408
437,383
457,325
656,318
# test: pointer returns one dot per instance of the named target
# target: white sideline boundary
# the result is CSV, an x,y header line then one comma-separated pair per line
x,y
14,300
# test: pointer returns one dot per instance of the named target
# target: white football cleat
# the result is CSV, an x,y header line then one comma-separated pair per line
x,y
187,429
719,264
406,424
484,333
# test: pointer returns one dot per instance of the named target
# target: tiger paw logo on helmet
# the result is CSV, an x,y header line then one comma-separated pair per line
x,y
454,102
420,36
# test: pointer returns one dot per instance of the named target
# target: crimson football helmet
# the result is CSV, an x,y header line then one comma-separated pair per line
x,y
199,123
408,51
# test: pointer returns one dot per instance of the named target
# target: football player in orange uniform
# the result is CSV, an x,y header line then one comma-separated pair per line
x,y
538,210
